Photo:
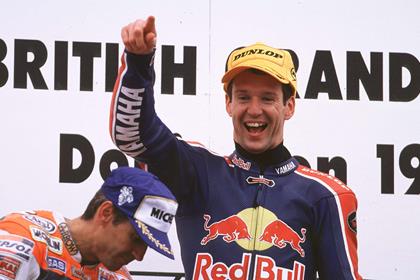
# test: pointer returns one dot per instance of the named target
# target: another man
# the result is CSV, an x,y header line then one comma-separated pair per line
x,y
131,211
258,213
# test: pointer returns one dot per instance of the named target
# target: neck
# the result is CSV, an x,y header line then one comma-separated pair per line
x,y
269,157
81,233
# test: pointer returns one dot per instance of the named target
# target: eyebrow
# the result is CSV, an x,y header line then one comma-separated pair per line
x,y
270,93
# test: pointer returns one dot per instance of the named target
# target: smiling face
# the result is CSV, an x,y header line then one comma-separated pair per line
x,y
257,110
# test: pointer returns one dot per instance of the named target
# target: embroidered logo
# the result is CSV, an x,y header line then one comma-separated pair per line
x,y
56,263
126,195
54,244
67,239
78,273
285,168
352,222
241,163
232,228
46,224
280,234
106,275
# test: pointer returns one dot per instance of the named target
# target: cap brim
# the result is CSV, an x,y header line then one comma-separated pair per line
x,y
230,75
155,239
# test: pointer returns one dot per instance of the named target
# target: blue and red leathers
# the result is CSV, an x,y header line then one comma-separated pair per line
x,y
241,216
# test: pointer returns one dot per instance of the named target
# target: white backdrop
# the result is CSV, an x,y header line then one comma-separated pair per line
x,y
33,119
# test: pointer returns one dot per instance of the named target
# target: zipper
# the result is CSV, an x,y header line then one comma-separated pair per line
x,y
257,210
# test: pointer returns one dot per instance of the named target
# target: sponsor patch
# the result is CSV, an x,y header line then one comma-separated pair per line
x,y
231,229
126,195
146,231
55,263
46,224
352,222
106,275
54,244
264,267
280,234
9,266
241,163
78,273
285,168
16,245
67,239
156,212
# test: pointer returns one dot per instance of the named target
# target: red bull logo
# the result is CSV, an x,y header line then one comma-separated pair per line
x,y
232,228
241,163
255,229
280,234
264,269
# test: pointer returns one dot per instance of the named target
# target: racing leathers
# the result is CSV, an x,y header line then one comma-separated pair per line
x,y
241,216
38,245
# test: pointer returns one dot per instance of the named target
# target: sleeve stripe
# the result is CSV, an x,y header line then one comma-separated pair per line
x,y
302,171
199,145
116,91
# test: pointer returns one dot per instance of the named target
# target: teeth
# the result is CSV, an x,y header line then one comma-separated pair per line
x,y
255,124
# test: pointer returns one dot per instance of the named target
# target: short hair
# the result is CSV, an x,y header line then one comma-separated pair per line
x,y
95,202
287,89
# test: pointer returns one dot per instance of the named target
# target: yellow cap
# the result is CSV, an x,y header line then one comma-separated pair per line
x,y
275,62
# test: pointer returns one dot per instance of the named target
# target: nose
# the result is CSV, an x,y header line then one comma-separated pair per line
x,y
254,107
139,251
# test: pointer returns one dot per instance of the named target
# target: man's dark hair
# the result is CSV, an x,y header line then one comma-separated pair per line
x,y
95,202
287,89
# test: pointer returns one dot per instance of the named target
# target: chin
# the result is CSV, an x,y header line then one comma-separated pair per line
x,y
113,267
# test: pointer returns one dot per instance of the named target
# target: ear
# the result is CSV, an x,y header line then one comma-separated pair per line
x,y
105,212
228,103
290,108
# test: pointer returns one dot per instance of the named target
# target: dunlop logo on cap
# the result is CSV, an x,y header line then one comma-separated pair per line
x,y
277,63
258,52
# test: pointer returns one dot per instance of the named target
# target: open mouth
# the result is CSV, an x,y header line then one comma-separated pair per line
x,y
255,127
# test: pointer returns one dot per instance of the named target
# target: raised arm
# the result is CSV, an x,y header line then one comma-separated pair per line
x,y
134,126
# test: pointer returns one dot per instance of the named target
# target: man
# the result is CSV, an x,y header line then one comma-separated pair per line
x,y
256,214
131,211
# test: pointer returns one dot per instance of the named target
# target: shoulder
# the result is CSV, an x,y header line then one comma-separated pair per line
x,y
30,224
323,181
200,148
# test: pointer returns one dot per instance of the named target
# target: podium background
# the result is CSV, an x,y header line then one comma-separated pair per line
x,y
377,139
